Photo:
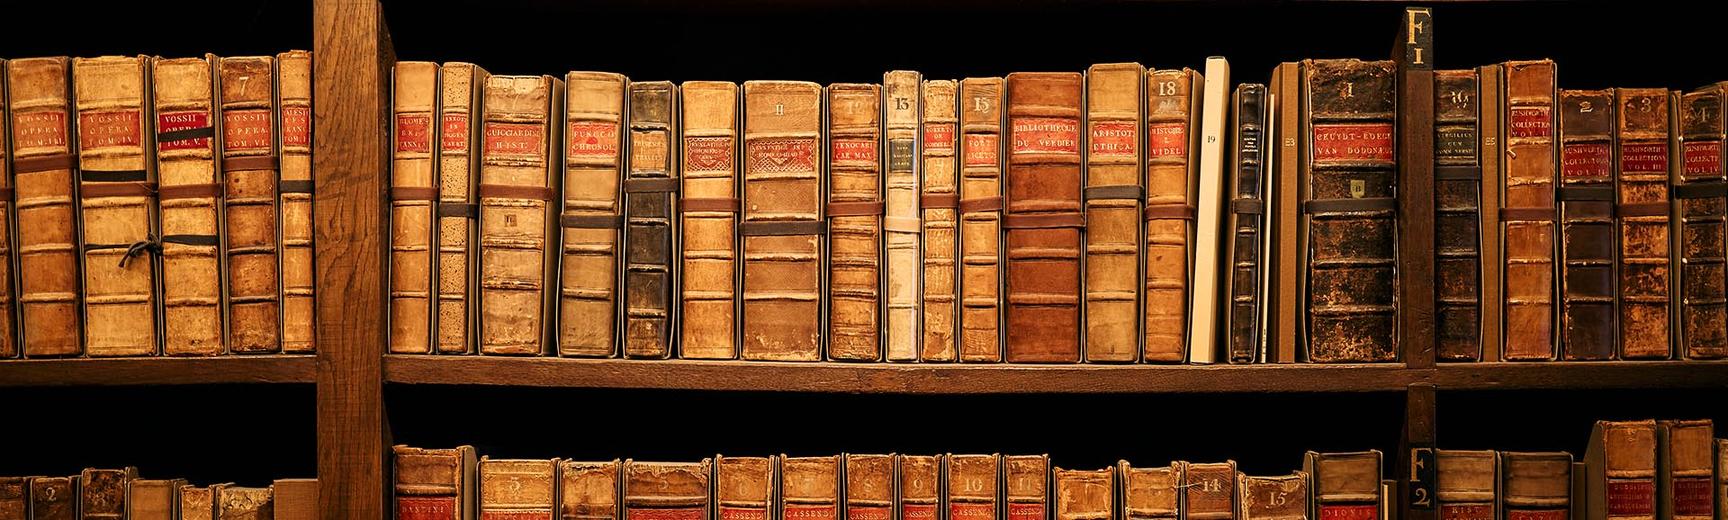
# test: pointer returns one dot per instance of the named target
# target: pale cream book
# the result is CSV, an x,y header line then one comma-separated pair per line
x,y
1209,213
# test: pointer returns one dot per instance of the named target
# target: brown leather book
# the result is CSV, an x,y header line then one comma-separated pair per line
x,y
593,126
782,228
854,210
1457,208
1464,484
146,499
517,489
53,498
413,194
1641,175
1536,486
1588,245
1492,144
249,164
518,224
1027,486
971,492
434,484
920,481
8,302
1685,470
1527,210
102,492
1172,188
43,183
940,203
1083,494
198,502
1286,92
462,87
981,220
1044,221
650,201
902,106
1150,493
1115,118
1699,192
708,318
1721,479
14,498
1621,460
869,487
295,498
116,205
1346,485
1273,498
294,117
244,503
1350,211
666,490
1246,224
188,190
809,488
588,490
744,486
1209,491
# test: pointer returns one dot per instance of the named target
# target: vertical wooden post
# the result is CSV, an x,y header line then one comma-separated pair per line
x,y
1415,58
1415,471
351,57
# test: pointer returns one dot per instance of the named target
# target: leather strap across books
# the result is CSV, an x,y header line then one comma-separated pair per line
x,y
1701,190
186,134
189,191
1585,193
113,176
858,208
728,205
591,221
651,185
261,162
117,189
192,240
1044,221
1528,214
297,186
458,209
1248,206
1457,173
783,228
149,245
939,200
983,204
410,193
1643,209
1169,211
6,194
1347,205
1124,192
42,164
505,191
1591,211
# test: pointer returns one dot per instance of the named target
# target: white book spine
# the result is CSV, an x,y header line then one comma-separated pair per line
x,y
1206,296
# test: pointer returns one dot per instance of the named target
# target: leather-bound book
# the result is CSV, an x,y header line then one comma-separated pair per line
x,y
1085,495
244,503
1273,498
971,486
981,220
1286,92
920,484
187,193
15,498
1492,144
518,224
1246,223
1205,298
1044,219
53,498
1527,210
666,491
1721,479
1346,485
1457,215
413,193
102,493
1535,486
744,486
1026,487
198,502
1621,460
650,201
1685,470
1172,187
517,489
1150,493
43,183
1588,244
1464,483
1209,491
146,499
8,301
1699,193
434,484
294,117
1350,211
809,488
854,211
940,203
588,490
708,314
902,105
782,227
593,124
869,487
1114,193
249,164
116,205
1641,176
295,498
461,89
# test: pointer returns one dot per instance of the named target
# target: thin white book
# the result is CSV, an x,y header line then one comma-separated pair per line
x,y
1268,244
1209,215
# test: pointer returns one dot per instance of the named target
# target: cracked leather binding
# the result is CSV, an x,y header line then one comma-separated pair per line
x,y
1699,193
1209,490
1247,226
1457,210
517,489
588,490
782,227
1044,219
518,180
1150,493
920,479
245,503
666,490
708,315
294,118
854,211
1642,207
940,204
971,486
1464,484
1587,245
8,300
145,500
413,197
590,233
1282,497
1026,490
1527,210
54,498
1172,190
102,492
809,488
43,182
869,487
1621,461
462,86
744,486
1535,486
981,220
903,103
650,201
1686,465
1115,115
117,205
1350,218
249,165
1346,486
187,195
198,502
434,484
1084,494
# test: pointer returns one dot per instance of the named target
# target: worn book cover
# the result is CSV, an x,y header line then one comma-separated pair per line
x,y
462,86
1287,255
518,180
1172,186
1685,470
666,490
116,205
1621,460
1150,493
650,201
1642,204
517,489
146,499
1588,244
939,202
295,498
1464,484
1114,194
1282,497
590,225
744,486
809,488
434,484
43,181
1346,485
1699,204
919,480
588,490
708,312
1085,494
102,493
1457,215
1246,223
15,498
53,498
1492,141
1536,485
1527,210
188,193
902,107
854,210
249,165
1026,489
782,227
294,118
413,194
1044,218
8,300
971,486
869,487
981,220
1209,491
244,503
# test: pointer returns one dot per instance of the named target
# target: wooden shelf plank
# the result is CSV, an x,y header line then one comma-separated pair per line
x,y
157,371
890,378
1582,375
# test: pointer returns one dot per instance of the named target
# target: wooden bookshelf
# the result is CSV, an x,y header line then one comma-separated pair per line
x,y
1627,375
158,371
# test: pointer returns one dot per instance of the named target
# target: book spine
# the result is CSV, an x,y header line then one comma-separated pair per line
x,y
809,488
1346,485
1464,483
900,226
516,204
1115,115
1700,189
1527,211
116,205
1205,301
744,485
869,487
782,227
1026,492
1288,213
1686,470
249,162
854,213
594,116
429,483
666,491
1210,491
588,490
1351,212
1044,219
919,479
1247,215
1457,210
1154,493
1587,248
1537,486
53,498
1492,143
14,497
189,187
102,492
650,199
517,489
461,85
1628,468
43,183
294,118
244,503
8,272
971,486
1275,498
1171,178
1084,495
200,502
940,203
1642,207
412,194
708,318
981,220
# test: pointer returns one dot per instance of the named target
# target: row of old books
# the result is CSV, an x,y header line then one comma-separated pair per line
x,y
156,206
102,494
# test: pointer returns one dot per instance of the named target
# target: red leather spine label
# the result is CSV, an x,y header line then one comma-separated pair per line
x,y
172,121
39,130
918,512
782,155
1167,140
1353,142
743,513
808,512
1644,158
852,150
108,128
592,139
1703,158
514,138
413,133
868,513
1537,514
682,513
1113,139
981,149
1045,135
1631,497
1588,160
1023,511
425,508
1692,497
1466,512
455,136
516,515
708,153
247,130
296,126
1349,512
1531,122
939,136
971,511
